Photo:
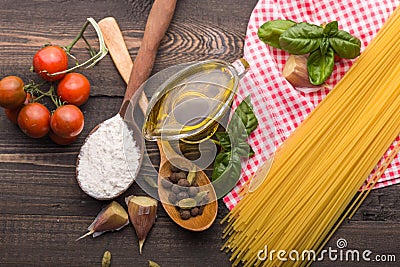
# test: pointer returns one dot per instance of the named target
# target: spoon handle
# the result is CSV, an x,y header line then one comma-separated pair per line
x,y
157,24
119,53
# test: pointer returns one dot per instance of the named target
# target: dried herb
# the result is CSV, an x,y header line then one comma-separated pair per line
x,y
234,142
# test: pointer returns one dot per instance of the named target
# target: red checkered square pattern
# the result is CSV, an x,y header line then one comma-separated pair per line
x,y
279,107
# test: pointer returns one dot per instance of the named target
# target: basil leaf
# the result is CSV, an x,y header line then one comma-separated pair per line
x,y
228,162
251,152
270,31
244,150
301,39
221,164
224,140
331,29
231,170
324,45
244,114
345,45
320,66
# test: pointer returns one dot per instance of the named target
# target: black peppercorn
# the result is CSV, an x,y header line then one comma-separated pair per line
x,y
185,214
201,209
194,211
174,177
176,189
193,191
182,195
181,175
183,182
172,198
166,182
173,168
205,200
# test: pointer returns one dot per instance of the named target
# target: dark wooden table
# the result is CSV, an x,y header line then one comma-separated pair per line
x,y
42,209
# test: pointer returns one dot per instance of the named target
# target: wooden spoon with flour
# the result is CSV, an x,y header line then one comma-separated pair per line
x,y
101,170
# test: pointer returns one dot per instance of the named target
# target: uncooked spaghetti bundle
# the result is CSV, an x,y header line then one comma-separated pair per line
x,y
319,169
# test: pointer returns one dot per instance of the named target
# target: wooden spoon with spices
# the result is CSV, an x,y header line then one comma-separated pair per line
x,y
120,55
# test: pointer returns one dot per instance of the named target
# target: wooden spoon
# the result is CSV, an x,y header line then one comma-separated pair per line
x,y
157,23
120,55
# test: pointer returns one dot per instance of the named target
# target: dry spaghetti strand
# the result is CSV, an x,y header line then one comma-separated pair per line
x,y
321,166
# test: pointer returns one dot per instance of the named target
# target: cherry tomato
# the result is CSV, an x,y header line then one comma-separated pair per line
x,y
12,93
67,121
74,89
60,140
50,59
34,120
12,114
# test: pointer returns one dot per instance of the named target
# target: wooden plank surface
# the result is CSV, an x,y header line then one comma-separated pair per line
x,y
42,208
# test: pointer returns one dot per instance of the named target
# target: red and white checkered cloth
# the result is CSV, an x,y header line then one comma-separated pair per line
x,y
279,107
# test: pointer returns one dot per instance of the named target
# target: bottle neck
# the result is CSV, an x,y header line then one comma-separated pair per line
x,y
241,66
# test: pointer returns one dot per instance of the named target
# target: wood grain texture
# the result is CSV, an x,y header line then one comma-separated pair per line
x,y
41,206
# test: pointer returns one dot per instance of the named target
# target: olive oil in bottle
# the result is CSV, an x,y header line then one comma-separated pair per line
x,y
189,105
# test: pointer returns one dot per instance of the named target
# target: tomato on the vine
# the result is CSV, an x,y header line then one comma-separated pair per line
x,y
74,89
34,120
12,93
60,140
12,114
67,121
50,59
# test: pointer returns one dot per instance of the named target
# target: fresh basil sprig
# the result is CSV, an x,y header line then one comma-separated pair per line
x,y
233,142
321,42
270,31
302,38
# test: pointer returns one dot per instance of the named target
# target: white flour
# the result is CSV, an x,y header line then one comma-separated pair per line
x,y
108,160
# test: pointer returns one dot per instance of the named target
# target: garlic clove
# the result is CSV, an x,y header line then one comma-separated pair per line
x,y
142,212
112,217
296,73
